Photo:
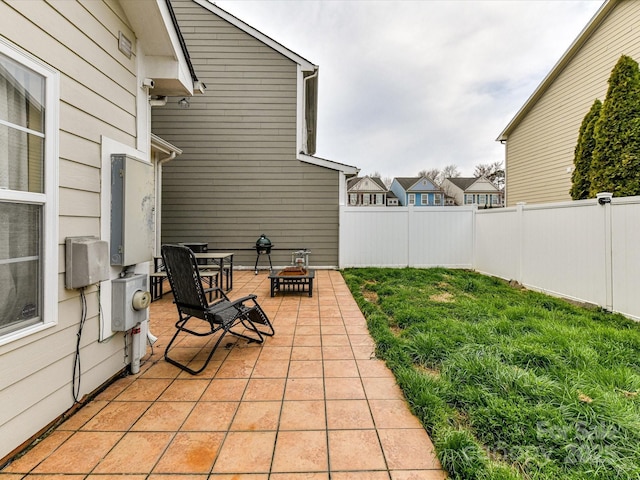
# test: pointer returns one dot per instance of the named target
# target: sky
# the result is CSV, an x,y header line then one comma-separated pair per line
x,y
406,86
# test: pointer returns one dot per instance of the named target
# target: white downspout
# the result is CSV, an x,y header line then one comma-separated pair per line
x,y
160,162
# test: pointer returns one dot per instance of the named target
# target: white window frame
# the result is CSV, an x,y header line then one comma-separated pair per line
x,y
466,199
366,198
48,199
412,199
379,198
437,199
482,199
424,199
353,199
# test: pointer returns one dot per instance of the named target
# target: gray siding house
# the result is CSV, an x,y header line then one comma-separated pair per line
x,y
247,166
74,89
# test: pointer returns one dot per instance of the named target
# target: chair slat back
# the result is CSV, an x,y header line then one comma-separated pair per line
x,y
185,281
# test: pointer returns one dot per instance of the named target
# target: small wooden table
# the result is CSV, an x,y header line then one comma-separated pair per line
x,y
282,281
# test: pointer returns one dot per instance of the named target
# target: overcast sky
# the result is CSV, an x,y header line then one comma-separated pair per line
x,y
406,86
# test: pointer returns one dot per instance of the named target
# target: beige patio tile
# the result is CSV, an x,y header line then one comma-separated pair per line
x,y
408,449
300,451
263,389
210,416
270,369
382,388
189,390
348,415
305,369
299,476
136,452
304,389
80,453
246,452
303,415
225,389
163,416
117,416
355,450
331,352
190,452
393,414
306,352
257,416
344,388
236,369
340,368
144,389
418,475
373,368
39,452
83,415
368,475
307,341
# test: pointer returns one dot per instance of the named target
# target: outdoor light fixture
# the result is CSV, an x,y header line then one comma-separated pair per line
x,y
604,198
184,103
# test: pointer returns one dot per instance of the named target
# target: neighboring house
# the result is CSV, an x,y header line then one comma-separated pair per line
x,y
541,138
392,200
75,87
418,191
366,191
473,191
247,165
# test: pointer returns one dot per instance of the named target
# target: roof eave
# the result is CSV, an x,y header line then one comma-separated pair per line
x,y
322,162
305,64
166,62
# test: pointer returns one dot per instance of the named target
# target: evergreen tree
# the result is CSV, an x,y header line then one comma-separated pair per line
x,y
583,153
615,165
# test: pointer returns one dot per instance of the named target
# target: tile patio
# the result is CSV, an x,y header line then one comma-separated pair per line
x,y
310,403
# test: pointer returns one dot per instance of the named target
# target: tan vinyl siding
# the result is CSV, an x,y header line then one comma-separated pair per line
x,y
97,97
541,147
238,175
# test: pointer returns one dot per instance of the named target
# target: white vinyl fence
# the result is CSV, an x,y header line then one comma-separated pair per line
x,y
580,250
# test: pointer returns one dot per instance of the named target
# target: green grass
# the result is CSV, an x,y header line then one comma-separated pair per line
x,y
509,383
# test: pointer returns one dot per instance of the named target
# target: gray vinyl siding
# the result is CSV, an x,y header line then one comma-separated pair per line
x,y
97,97
238,176
541,147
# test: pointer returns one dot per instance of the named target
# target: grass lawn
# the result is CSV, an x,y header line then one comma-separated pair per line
x,y
509,383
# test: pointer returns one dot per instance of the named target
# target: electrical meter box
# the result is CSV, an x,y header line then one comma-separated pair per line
x,y
130,299
86,261
132,210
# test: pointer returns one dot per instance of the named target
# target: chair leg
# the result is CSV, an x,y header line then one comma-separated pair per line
x,y
180,328
255,316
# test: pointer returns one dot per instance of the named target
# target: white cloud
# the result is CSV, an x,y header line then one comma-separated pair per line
x,y
411,85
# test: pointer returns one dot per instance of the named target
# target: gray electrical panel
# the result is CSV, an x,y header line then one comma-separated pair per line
x,y
132,210
86,261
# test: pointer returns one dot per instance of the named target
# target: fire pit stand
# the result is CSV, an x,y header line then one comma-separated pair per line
x,y
263,247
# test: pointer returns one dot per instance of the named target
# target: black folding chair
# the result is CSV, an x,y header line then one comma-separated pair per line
x,y
220,316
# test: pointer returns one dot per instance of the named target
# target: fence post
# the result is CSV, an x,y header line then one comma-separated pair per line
x,y
474,220
410,239
604,199
520,233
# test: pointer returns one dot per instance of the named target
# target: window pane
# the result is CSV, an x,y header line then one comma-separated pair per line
x,y
21,95
21,160
20,293
21,128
